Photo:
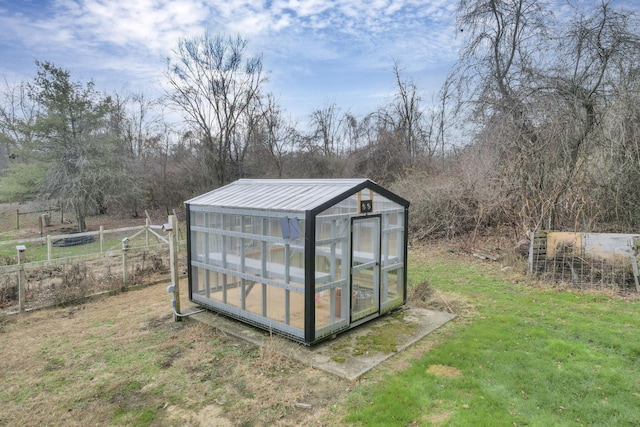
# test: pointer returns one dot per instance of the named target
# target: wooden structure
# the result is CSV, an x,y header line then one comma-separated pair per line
x,y
591,260
303,258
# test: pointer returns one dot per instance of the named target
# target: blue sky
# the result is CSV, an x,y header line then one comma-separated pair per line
x,y
317,51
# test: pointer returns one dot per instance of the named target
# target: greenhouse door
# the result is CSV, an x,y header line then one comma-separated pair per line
x,y
365,267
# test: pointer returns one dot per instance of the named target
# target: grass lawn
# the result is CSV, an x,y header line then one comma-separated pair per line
x,y
522,355
518,354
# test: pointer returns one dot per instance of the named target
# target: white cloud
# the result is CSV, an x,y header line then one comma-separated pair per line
x,y
346,40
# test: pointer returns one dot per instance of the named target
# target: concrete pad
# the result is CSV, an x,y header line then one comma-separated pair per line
x,y
350,354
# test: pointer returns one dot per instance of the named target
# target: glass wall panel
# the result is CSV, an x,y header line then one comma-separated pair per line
x,y
233,290
198,250
296,309
241,260
254,296
214,285
331,264
393,283
197,280
322,303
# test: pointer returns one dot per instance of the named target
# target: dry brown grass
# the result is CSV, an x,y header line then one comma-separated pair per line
x,y
122,360
423,295
443,371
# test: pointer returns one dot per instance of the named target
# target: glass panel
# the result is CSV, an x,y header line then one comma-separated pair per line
x,y
215,282
296,310
332,267
196,280
323,307
198,245
198,218
392,281
253,295
365,266
276,303
351,205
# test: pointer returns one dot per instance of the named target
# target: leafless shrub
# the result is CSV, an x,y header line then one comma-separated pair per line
x,y
383,161
421,293
441,207
425,296
8,291
76,284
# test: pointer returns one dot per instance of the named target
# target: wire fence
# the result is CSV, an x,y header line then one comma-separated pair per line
x,y
63,269
595,261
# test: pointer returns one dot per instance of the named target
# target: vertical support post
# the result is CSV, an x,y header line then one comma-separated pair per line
x,y
309,276
266,230
101,238
21,302
125,249
124,267
146,231
17,219
287,279
49,247
532,246
173,260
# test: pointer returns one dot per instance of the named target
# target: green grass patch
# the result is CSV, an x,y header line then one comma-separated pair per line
x,y
527,356
382,339
38,251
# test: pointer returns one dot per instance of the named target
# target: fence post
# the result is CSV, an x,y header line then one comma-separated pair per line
x,y
173,260
101,238
532,237
125,249
146,231
17,219
21,303
48,247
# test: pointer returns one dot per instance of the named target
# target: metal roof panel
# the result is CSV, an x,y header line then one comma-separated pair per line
x,y
297,195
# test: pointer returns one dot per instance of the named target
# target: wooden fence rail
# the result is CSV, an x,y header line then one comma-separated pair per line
x,y
50,270
42,220
50,247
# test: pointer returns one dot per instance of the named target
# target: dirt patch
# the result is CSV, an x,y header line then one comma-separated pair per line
x,y
443,371
210,415
439,418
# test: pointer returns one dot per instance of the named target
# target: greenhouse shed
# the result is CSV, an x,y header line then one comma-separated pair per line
x,y
303,258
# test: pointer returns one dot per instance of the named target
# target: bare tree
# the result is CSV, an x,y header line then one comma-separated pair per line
x,y
541,116
499,74
277,136
17,116
407,110
215,84
326,125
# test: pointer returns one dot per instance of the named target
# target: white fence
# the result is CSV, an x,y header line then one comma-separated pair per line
x,y
62,269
